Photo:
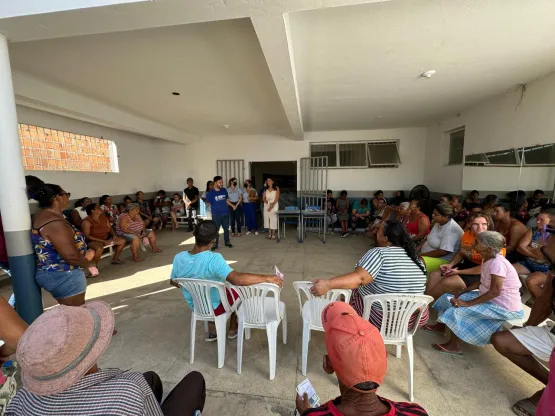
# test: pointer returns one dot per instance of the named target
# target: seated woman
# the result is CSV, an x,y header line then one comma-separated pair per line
x,y
443,241
393,267
377,196
109,209
399,199
381,212
342,206
78,214
510,228
131,227
148,219
99,233
473,198
535,265
445,199
460,213
360,212
489,204
162,208
177,210
521,210
417,223
475,316
464,269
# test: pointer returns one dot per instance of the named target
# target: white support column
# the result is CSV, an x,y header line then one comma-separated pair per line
x,y
14,206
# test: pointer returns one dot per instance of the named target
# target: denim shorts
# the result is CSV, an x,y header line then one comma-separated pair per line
x,y
62,284
535,267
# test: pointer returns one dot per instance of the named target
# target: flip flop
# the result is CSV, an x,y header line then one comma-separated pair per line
x,y
118,262
428,328
232,335
440,348
524,407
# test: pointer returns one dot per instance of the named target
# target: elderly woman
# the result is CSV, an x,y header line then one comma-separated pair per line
x,y
99,234
393,267
474,317
535,265
417,223
131,227
464,269
109,209
443,241
78,214
177,210
360,212
510,228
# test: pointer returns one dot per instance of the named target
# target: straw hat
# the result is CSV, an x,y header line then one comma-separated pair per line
x,y
62,345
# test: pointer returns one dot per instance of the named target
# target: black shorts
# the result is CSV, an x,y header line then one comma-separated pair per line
x,y
468,279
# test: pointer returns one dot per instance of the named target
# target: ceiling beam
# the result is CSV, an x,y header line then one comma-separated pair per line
x,y
34,93
275,39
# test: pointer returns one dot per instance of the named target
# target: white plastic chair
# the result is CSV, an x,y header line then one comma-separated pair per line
x,y
203,311
397,310
311,312
260,311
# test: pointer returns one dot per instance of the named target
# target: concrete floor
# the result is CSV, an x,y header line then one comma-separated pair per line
x,y
153,322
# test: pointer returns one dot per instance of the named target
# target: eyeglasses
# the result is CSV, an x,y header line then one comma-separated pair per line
x,y
65,193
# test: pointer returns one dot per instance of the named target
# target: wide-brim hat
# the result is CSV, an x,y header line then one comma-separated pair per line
x,y
63,344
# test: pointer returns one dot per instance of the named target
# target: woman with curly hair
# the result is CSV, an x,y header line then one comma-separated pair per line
x,y
393,267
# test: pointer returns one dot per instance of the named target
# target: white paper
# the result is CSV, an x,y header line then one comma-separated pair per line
x,y
278,273
306,387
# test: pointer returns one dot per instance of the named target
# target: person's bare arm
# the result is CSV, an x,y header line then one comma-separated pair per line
x,y
76,218
541,309
423,227
86,228
195,199
61,236
524,249
229,203
436,253
493,292
124,225
12,328
516,232
247,279
276,201
353,280
240,199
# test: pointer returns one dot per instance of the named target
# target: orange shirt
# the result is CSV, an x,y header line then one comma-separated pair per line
x,y
467,248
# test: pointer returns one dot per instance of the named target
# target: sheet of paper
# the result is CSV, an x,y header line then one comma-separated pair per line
x,y
278,273
306,387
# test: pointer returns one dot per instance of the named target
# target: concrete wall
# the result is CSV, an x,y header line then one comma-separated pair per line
x,y
145,163
412,147
496,124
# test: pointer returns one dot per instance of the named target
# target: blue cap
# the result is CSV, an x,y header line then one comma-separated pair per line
x,y
8,364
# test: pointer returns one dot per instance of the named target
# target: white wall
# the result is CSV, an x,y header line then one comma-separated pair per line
x,y
274,148
495,125
145,163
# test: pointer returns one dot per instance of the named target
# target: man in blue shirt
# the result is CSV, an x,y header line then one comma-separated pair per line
x,y
201,263
219,202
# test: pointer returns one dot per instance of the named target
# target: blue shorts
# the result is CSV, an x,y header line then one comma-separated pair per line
x,y
62,284
534,267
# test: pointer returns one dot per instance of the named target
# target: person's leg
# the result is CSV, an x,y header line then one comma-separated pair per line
x,y
273,223
190,218
232,220
98,248
76,300
152,239
225,224
239,218
453,345
153,380
521,269
266,215
187,397
449,284
119,245
135,249
535,283
354,221
174,220
217,218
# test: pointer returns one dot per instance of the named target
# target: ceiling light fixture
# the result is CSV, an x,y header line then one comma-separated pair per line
x,y
175,93
428,74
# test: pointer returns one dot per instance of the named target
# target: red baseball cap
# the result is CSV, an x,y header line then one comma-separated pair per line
x,y
355,346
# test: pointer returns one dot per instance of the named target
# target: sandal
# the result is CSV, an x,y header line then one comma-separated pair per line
x,y
440,348
211,337
232,335
118,262
429,328
524,407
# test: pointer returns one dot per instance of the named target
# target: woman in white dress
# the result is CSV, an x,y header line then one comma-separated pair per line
x,y
271,206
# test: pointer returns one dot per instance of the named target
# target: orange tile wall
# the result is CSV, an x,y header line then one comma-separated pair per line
x,y
49,149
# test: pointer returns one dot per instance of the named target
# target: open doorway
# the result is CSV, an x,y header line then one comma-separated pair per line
x,y
284,175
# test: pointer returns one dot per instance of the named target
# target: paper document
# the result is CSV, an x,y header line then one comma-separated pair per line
x,y
306,387
278,273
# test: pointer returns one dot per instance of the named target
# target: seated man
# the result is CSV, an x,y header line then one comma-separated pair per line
x,y
521,345
202,263
360,212
58,356
332,216
356,353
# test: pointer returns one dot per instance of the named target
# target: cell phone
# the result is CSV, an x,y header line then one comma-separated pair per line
x,y
305,386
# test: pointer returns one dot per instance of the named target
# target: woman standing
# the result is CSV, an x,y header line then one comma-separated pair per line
x,y
235,196
131,227
110,209
418,223
393,267
271,207
474,317
177,210
510,228
342,205
61,249
250,198
99,234
209,187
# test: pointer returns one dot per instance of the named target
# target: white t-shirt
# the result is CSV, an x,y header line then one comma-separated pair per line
x,y
444,237
82,213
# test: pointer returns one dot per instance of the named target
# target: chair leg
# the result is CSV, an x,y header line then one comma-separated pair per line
x,y
221,332
240,334
305,341
284,326
398,350
192,342
410,353
206,326
247,333
271,330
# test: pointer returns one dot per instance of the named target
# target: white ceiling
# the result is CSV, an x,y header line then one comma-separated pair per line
x,y
320,66
217,67
357,67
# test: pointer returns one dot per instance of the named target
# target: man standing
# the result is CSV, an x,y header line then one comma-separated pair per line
x,y
191,202
219,202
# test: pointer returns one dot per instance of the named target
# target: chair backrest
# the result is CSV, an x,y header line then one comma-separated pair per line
x,y
397,309
200,292
253,301
291,208
318,303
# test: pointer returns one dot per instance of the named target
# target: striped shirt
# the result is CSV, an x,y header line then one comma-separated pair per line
x,y
107,392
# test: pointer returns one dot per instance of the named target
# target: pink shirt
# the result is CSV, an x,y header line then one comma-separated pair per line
x,y
546,406
509,298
